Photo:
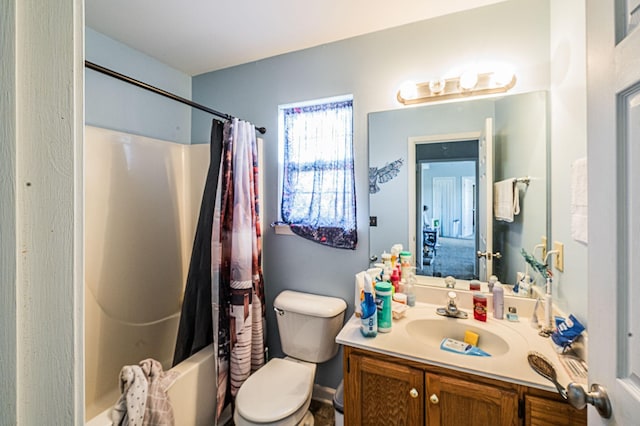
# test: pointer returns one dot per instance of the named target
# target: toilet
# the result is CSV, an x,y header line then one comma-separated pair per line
x,y
279,393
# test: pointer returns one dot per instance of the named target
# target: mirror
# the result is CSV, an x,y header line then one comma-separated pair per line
x,y
438,146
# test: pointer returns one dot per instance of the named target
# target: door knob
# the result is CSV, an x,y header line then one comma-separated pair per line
x,y
598,397
488,255
414,393
434,399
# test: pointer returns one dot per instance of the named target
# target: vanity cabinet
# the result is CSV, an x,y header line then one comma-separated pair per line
x,y
385,390
550,410
382,392
461,401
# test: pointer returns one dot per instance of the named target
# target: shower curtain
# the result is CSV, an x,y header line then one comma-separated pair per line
x,y
196,330
230,262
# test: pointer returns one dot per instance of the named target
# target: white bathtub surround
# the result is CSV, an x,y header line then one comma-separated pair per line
x,y
141,200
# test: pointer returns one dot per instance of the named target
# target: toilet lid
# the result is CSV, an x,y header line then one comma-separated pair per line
x,y
275,391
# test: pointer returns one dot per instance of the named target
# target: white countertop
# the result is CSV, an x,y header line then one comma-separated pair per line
x,y
511,366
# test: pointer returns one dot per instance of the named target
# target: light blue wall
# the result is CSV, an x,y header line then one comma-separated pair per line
x,y
370,67
116,105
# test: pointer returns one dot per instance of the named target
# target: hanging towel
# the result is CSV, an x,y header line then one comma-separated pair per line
x,y
506,200
144,400
579,200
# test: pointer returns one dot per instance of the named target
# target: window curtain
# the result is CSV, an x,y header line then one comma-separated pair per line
x,y
318,197
236,274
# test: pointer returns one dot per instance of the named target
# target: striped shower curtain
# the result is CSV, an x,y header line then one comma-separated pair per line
x,y
236,276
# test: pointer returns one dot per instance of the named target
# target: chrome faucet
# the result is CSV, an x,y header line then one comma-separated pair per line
x,y
451,310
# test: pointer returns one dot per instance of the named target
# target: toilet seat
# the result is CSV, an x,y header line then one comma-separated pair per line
x,y
279,393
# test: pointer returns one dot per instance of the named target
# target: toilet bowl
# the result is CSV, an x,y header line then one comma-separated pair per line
x,y
279,393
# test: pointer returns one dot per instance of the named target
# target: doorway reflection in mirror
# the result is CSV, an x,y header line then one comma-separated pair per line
x,y
447,182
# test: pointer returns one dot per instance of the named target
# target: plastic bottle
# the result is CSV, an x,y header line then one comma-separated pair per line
x,y
492,281
395,280
498,301
383,300
386,260
369,318
409,291
405,263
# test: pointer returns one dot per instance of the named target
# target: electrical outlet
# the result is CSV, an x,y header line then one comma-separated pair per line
x,y
543,240
558,260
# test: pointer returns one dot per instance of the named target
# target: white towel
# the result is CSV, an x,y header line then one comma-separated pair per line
x,y
579,200
506,200
144,400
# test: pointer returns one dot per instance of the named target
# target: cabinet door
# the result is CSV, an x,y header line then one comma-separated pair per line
x,y
383,393
454,402
547,412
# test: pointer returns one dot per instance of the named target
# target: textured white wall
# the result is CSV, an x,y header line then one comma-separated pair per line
x,y
41,218
8,366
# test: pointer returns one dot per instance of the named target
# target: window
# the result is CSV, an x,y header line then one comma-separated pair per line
x,y
318,188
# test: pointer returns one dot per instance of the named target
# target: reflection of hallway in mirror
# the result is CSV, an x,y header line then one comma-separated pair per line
x,y
453,256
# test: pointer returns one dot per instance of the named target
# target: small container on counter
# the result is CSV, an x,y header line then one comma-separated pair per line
x,y
480,307
405,263
383,302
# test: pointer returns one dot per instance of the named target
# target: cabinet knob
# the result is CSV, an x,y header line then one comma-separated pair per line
x,y
414,393
434,399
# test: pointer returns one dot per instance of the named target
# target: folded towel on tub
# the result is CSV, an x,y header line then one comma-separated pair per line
x,y
144,400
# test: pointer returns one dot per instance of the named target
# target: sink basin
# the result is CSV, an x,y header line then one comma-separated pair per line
x,y
432,331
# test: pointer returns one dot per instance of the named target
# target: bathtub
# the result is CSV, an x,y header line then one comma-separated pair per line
x,y
192,394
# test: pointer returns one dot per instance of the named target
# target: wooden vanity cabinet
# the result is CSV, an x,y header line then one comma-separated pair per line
x,y
548,409
385,390
381,392
461,401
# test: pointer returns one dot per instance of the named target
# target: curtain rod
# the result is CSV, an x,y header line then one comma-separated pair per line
x,y
164,93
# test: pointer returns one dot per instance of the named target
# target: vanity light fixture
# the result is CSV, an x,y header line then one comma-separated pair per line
x,y
467,84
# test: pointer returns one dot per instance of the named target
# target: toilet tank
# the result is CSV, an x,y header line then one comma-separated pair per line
x,y
308,324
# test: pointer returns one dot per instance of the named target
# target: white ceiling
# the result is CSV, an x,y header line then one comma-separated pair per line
x,y
198,36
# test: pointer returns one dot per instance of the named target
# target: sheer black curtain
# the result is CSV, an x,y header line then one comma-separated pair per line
x,y
196,329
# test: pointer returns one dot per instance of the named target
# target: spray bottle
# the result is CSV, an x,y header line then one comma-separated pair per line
x,y
369,318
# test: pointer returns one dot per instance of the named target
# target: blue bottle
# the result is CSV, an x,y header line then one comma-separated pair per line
x,y
369,318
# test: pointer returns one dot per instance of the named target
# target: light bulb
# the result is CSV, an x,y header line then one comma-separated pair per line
x,y
408,90
468,80
502,77
437,86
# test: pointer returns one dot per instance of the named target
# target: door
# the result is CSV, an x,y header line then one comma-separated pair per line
x,y
468,206
613,149
444,203
485,200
